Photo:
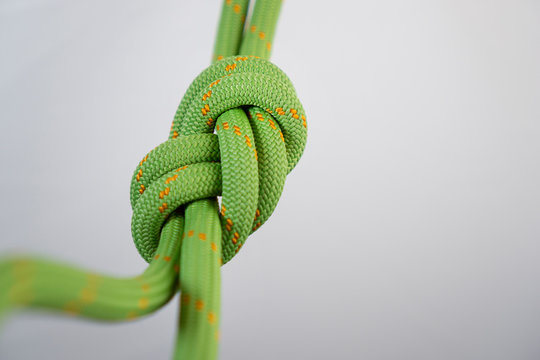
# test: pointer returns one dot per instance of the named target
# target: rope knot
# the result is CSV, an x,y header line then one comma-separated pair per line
x,y
260,133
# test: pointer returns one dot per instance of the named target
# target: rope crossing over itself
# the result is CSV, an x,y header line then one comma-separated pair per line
x,y
238,131
255,156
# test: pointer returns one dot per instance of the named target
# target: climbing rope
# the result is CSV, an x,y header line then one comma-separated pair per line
x,y
256,152
238,131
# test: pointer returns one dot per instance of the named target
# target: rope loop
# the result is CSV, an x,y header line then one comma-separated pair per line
x,y
260,133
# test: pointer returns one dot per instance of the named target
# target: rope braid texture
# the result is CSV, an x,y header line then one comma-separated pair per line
x,y
238,131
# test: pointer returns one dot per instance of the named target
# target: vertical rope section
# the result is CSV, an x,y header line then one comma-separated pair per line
x,y
198,335
230,28
259,34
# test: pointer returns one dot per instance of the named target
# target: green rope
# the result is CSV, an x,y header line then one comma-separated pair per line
x,y
231,27
238,131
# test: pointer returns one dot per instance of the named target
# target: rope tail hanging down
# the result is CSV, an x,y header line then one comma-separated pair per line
x,y
238,131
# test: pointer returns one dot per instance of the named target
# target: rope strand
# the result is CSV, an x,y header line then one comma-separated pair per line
x,y
229,42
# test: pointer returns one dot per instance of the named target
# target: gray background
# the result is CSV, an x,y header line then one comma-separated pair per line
x,y
409,230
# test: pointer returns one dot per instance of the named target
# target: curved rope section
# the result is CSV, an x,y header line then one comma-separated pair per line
x,y
32,282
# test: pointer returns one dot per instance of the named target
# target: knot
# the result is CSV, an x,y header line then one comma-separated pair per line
x,y
260,134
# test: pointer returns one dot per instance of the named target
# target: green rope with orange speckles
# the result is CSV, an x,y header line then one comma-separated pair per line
x,y
238,131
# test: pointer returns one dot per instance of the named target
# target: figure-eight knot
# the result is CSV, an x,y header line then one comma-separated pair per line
x,y
244,161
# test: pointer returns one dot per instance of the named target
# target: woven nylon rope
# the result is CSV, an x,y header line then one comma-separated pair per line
x,y
238,131
256,153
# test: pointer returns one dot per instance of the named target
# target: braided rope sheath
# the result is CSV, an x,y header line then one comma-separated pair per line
x,y
176,172
237,132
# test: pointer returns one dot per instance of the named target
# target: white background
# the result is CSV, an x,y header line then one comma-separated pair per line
x,y
409,230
